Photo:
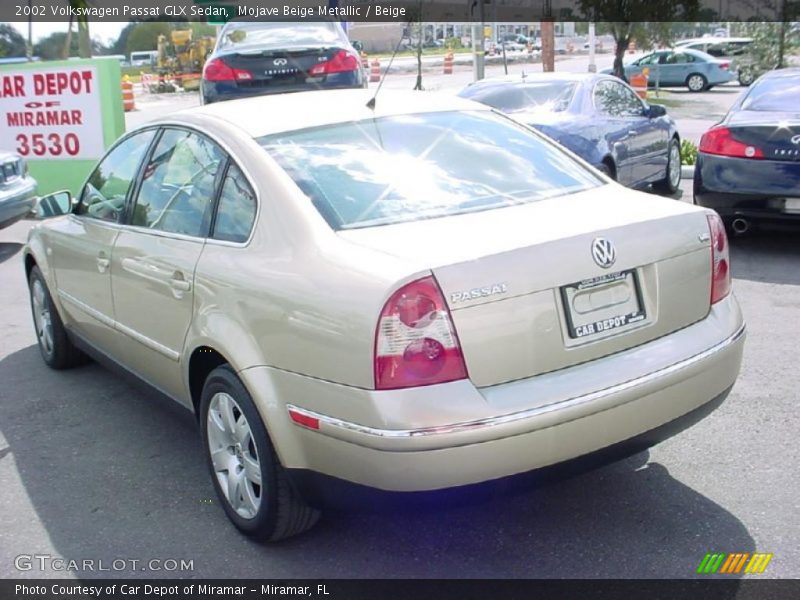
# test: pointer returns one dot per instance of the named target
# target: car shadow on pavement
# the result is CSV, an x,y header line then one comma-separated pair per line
x,y
112,474
770,256
8,250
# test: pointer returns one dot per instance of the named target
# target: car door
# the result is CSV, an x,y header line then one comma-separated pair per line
x,y
81,246
629,133
675,68
155,254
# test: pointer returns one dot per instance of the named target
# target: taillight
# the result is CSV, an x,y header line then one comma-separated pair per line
x,y
720,141
415,342
218,70
720,259
724,65
340,62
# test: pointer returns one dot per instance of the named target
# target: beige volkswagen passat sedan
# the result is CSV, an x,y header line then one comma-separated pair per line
x,y
415,296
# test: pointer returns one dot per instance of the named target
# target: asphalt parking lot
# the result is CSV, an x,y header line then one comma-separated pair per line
x,y
93,467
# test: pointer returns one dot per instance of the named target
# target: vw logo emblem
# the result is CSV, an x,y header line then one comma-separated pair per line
x,y
280,62
796,139
603,252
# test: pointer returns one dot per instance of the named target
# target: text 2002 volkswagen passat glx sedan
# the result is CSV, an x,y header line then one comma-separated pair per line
x,y
417,296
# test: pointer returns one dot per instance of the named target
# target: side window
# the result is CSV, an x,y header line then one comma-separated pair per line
x,y
679,58
177,189
236,211
617,100
104,195
648,60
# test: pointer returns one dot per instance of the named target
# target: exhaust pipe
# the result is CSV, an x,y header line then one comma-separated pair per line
x,y
740,226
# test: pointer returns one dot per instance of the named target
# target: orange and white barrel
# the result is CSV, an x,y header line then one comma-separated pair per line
x,y
448,63
639,84
375,70
127,94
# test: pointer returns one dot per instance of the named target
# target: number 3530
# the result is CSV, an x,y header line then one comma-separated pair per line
x,y
48,144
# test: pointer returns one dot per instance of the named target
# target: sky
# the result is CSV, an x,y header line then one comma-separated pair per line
x,y
105,31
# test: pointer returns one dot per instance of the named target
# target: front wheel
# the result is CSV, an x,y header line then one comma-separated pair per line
x,y
56,349
672,177
696,82
247,475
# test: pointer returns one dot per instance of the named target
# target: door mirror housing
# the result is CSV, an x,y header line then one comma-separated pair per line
x,y
55,205
656,110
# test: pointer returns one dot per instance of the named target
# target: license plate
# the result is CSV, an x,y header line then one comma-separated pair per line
x,y
792,205
594,307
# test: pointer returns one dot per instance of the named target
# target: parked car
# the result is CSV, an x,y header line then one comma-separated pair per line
x,y
17,189
598,117
730,49
748,165
408,295
144,58
696,70
257,58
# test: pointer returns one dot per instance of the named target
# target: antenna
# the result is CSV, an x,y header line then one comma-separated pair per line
x,y
371,102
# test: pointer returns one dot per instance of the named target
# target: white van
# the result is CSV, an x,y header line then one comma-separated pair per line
x,y
143,58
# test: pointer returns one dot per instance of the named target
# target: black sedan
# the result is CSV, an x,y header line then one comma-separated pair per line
x,y
748,165
598,117
256,58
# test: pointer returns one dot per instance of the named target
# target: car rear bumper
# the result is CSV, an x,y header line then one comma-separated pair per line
x,y
754,189
568,413
213,91
17,200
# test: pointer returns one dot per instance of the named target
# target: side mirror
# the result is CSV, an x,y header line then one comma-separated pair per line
x,y
54,205
656,110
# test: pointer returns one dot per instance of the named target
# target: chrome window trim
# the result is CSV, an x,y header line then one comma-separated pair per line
x,y
332,424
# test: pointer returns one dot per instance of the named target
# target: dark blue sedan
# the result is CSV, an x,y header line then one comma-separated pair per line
x,y
748,165
599,118
257,58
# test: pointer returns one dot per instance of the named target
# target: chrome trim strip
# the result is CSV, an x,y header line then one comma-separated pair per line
x,y
521,415
92,312
106,320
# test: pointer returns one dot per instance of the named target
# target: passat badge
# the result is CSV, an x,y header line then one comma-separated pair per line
x,y
481,292
603,252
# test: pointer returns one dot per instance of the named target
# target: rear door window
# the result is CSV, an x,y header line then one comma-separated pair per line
x,y
178,184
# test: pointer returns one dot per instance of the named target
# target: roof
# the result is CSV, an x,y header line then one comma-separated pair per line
x,y
264,115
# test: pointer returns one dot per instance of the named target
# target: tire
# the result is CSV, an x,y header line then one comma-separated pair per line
x,y
746,78
266,506
696,82
672,179
56,349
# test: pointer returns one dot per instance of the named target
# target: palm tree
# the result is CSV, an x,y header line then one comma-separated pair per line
x,y
84,39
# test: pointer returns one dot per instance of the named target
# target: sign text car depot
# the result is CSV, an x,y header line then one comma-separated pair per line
x,y
51,113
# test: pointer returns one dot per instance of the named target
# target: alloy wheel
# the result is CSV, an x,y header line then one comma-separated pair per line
x,y
42,318
696,83
674,165
234,455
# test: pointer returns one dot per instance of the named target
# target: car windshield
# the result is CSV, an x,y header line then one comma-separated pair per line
x,y
412,167
278,34
777,94
545,96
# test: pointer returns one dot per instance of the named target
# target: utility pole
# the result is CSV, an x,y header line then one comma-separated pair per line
x,y
548,39
478,65
29,45
592,65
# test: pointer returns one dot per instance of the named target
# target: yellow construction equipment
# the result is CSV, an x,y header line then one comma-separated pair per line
x,y
180,59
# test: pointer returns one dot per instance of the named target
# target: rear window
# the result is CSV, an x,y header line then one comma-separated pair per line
x,y
549,96
279,35
779,94
412,167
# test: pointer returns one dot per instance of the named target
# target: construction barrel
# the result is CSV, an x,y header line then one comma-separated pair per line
x,y
375,71
448,63
639,84
127,94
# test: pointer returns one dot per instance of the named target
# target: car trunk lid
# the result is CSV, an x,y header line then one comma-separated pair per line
x,y
534,299
280,68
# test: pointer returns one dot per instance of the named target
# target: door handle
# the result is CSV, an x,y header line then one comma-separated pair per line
x,y
632,132
180,285
102,262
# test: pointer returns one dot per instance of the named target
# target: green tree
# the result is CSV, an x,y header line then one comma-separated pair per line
x,y
144,36
11,41
646,23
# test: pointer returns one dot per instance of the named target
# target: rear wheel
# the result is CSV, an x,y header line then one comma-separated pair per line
x,y
696,82
55,346
672,178
247,475
746,78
